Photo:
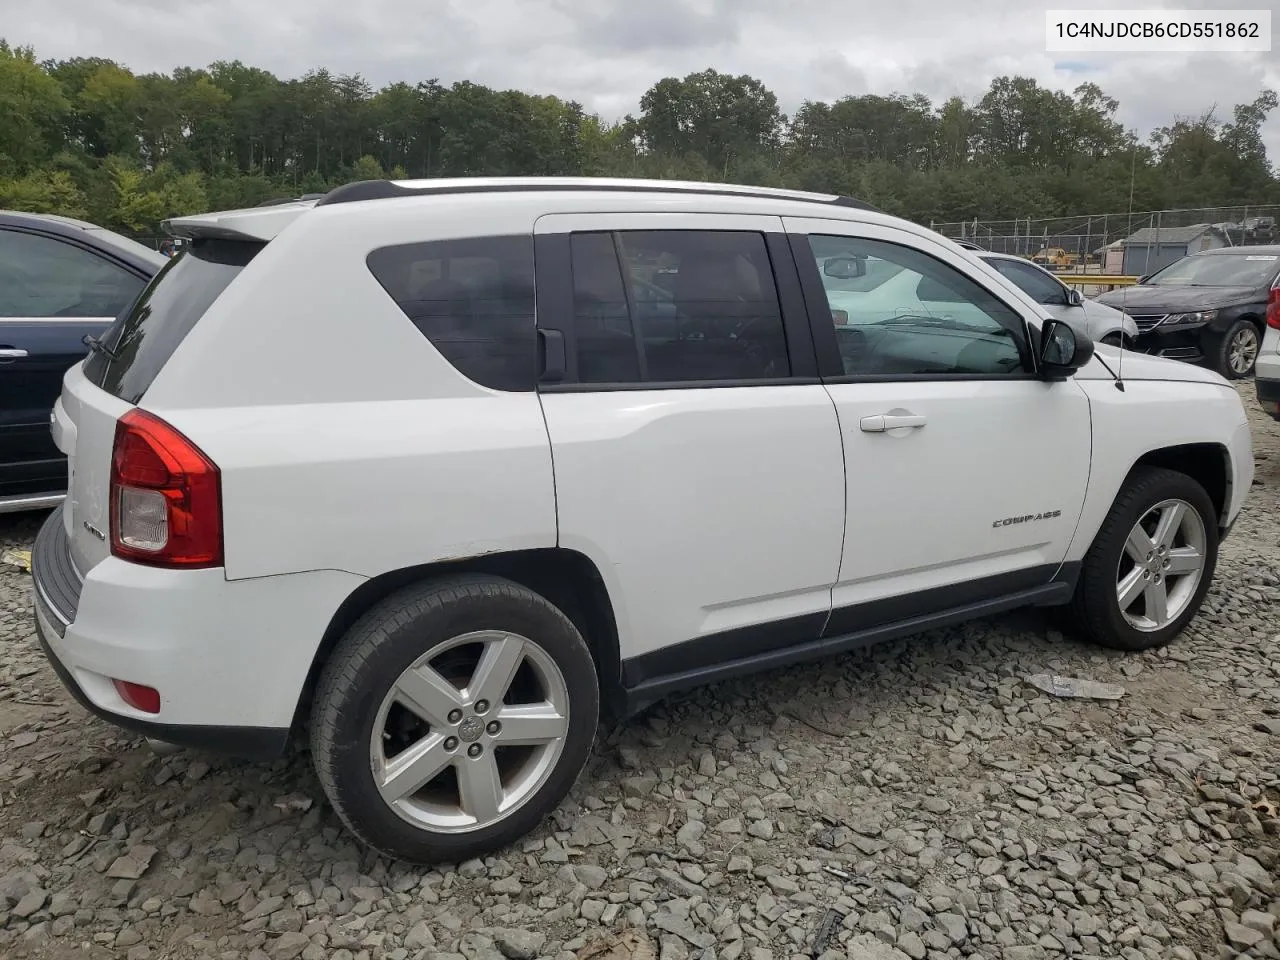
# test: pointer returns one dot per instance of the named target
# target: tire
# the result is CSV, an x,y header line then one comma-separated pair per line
x,y
454,626
1238,351
1114,339
1096,605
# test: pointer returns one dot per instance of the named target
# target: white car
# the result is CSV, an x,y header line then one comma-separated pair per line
x,y
436,471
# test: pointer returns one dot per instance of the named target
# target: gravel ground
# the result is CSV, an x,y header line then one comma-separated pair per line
x,y
916,800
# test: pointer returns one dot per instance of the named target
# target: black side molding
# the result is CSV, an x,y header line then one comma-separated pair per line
x,y
694,663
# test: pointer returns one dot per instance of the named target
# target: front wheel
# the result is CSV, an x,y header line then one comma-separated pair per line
x,y
1239,350
453,717
1151,563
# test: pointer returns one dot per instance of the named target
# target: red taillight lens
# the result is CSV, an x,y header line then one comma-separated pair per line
x,y
146,699
840,317
166,498
1273,308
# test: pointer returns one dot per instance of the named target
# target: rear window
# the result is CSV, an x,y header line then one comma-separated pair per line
x,y
141,341
473,299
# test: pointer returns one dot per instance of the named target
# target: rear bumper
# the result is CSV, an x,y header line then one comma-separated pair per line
x,y
229,658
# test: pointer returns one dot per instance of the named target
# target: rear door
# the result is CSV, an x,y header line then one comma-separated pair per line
x,y
53,293
697,457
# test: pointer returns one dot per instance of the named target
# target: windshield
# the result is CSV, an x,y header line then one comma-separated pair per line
x,y
1219,270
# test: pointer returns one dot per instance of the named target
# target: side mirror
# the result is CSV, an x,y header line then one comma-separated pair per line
x,y
845,268
1062,352
1074,299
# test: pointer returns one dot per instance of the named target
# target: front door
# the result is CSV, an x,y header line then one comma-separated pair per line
x,y
966,474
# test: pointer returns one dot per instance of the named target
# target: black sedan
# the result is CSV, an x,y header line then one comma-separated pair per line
x,y
1210,306
60,280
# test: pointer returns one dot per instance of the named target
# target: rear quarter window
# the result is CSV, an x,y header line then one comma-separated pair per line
x,y
138,345
473,299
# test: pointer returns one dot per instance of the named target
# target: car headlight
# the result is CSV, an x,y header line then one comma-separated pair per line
x,y
1202,316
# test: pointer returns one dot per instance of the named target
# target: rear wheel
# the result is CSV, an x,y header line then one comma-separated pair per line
x,y
1151,564
453,717
1239,350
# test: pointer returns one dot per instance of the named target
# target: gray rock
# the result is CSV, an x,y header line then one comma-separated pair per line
x,y
591,876
911,944
1241,936
30,903
956,928
519,944
691,832
133,864
867,947
288,946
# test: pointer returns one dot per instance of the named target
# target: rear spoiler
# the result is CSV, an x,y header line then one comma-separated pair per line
x,y
255,224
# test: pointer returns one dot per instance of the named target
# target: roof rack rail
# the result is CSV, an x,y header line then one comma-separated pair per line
x,y
279,200
388,189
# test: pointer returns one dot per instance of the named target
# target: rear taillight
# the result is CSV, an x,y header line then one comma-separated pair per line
x,y
1273,308
840,317
166,500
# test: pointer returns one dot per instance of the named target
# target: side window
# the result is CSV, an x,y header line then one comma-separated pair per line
x,y
44,277
676,306
1032,281
473,299
917,317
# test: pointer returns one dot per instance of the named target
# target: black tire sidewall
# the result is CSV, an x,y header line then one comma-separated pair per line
x,y
1104,558
381,648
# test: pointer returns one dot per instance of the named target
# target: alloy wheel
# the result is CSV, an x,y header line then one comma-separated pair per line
x,y
1161,566
1242,351
470,732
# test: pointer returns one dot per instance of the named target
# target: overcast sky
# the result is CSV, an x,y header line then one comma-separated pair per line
x,y
606,53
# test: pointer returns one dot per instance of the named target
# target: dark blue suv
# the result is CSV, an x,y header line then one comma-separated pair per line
x,y
60,281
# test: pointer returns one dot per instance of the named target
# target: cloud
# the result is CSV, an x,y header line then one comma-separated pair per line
x,y
606,53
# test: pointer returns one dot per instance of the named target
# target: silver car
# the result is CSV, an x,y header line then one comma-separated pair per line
x,y
1087,317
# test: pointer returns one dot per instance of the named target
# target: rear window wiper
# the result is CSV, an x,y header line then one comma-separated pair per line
x,y
97,346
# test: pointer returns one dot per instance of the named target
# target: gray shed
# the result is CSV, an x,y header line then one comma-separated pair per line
x,y
1153,248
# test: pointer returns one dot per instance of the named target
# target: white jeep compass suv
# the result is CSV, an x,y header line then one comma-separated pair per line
x,y
437,470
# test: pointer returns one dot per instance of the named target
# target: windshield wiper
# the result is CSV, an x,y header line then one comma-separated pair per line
x,y
97,346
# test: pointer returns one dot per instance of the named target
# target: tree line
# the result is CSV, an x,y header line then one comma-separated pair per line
x,y
87,137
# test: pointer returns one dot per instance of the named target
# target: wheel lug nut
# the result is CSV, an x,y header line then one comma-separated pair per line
x,y
475,750
455,716
451,743
482,706
494,727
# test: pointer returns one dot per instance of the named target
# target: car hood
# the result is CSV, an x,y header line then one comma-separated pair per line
x,y
1167,298
1144,366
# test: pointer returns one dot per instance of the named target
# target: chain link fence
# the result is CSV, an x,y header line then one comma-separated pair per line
x,y
1120,243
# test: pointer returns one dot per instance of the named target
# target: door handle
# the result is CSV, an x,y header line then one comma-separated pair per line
x,y
889,421
11,353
